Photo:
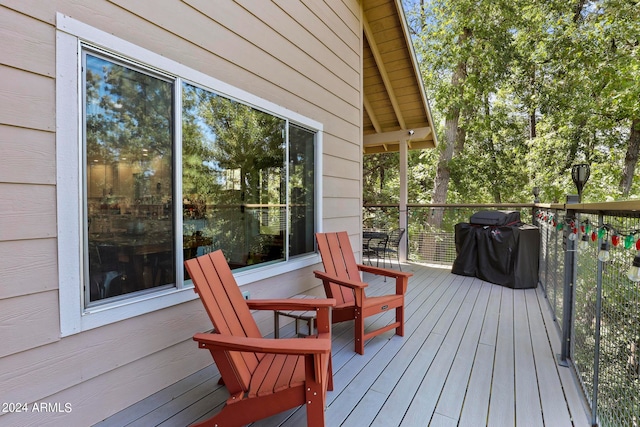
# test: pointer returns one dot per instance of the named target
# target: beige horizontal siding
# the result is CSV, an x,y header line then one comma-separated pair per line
x,y
342,39
28,99
337,207
28,267
27,322
344,223
28,156
27,211
335,146
27,44
340,187
342,168
270,29
243,51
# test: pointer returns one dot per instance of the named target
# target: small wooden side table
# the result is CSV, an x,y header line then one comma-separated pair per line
x,y
308,316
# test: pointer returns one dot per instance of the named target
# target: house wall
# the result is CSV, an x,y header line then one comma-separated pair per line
x,y
303,55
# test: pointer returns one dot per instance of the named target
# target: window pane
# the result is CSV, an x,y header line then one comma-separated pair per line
x,y
233,172
302,188
128,142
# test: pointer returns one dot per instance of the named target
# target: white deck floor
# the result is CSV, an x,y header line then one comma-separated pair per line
x,y
473,354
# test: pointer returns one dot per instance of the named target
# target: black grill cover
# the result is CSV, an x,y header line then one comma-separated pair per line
x,y
504,255
495,218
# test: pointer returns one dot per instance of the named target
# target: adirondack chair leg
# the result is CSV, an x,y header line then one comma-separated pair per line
x,y
400,318
315,397
359,327
330,375
315,414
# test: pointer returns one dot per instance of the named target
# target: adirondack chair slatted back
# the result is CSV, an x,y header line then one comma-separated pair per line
x,y
338,260
227,310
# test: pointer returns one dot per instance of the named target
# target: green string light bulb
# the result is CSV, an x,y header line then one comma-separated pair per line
x,y
628,241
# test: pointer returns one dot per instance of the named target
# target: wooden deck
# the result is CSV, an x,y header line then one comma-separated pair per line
x,y
474,354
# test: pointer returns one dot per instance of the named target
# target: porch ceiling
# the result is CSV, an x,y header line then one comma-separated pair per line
x,y
394,98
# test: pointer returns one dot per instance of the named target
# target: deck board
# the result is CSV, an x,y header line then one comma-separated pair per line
x,y
527,396
473,354
452,326
476,409
453,393
551,395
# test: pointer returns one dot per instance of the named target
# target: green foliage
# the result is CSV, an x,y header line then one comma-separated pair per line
x,y
381,180
546,84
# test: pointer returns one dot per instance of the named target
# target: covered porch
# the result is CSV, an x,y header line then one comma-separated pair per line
x,y
474,354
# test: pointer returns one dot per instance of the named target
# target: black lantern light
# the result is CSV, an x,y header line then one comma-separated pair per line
x,y
536,193
580,175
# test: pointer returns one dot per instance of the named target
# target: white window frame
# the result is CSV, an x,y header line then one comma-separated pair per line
x,y
74,316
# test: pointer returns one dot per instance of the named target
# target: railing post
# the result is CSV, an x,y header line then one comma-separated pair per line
x,y
555,269
570,267
596,350
405,239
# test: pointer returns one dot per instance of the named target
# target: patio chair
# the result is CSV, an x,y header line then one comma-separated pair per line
x,y
391,248
374,244
342,281
263,376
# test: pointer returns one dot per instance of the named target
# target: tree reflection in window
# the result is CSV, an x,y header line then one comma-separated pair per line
x,y
128,178
234,178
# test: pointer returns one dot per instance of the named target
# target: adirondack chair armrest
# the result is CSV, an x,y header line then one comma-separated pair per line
x,y
383,271
402,278
302,304
354,284
299,346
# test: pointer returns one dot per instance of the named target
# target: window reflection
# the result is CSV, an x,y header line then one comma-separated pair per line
x,y
247,180
128,179
234,179
302,188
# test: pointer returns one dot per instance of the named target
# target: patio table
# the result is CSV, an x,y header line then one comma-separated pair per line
x,y
308,316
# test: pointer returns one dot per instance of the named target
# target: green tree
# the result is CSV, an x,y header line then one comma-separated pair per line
x,y
524,90
465,49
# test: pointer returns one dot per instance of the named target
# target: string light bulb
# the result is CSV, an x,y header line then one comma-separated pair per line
x,y
604,254
615,240
573,235
634,271
584,243
628,241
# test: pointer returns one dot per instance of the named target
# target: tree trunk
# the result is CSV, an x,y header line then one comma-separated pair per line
x,y
532,124
494,172
443,173
631,159
532,108
451,140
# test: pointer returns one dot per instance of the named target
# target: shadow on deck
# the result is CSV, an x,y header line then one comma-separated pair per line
x,y
473,354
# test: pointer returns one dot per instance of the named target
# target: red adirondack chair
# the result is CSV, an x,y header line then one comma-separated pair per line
x,y
263,376
342,281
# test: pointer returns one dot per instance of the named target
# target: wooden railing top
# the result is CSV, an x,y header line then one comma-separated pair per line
x,y
452,205
628,206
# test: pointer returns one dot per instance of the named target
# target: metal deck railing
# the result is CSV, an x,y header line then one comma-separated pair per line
x,y
596,307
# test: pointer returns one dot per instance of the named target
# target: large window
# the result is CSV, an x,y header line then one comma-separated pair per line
x,y
158,163
247,179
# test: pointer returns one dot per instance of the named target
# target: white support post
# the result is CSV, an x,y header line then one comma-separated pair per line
x,y
404,196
